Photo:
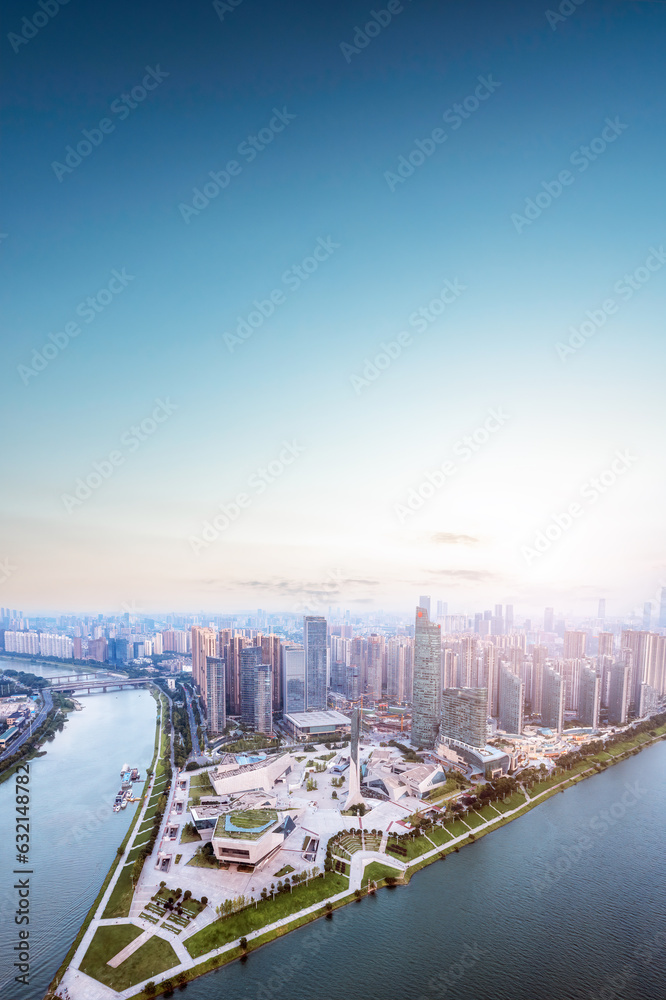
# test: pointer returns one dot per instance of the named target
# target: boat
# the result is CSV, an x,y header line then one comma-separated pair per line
x,y
124,768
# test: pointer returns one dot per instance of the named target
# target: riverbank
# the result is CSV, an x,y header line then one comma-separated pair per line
x,y
195,962
120,857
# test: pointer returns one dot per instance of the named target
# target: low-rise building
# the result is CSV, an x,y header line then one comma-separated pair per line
x,y
248,836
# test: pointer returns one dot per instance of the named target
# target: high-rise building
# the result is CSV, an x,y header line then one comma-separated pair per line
x,y
314,644
647,615
232,656
552,699
250,659
618,697
263,698
662,608
574,645
442,610
589,697
271,649
642,645
601,613
424,602
511,697
203,646
216,717
508,617
354,796
376,662
399,669
353,683
605,641
293,681
464,716
427,680
539,658
549,620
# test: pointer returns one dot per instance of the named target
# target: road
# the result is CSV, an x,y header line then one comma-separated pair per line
x,y
36,723
193,726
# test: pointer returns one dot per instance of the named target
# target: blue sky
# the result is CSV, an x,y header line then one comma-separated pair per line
x,y
333,510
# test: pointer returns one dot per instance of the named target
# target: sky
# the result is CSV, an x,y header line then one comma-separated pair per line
x,y
413,273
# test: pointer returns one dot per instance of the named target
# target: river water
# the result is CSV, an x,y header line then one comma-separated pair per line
x,y
567,903
73,832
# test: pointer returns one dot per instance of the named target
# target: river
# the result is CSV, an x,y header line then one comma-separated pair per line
x,y
566,903
74,834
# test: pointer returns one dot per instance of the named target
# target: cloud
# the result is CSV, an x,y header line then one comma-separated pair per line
x,y
471,575
449,538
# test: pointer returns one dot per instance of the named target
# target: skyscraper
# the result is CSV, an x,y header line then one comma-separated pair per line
x,y
511,696
427,680
574,645
647,615
539,657
464,715
314,644
293,683
263,698
548,620
203,646
508,617
618,698
250,659
376,665
552,699
424,602
589,697
216,716
354,796
605,644
601,613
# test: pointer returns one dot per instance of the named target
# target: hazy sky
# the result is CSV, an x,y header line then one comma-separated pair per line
x,y
365,196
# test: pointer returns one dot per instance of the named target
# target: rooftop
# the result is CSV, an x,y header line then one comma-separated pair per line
x,y
245,824
323,718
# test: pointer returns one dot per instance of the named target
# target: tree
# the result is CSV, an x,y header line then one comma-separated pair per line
x,y
243,943
150,988
204,900
187,894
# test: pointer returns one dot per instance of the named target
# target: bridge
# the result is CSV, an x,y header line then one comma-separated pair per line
x,y
76,677
101,685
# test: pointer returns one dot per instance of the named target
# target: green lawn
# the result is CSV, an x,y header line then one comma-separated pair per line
x,y
153,957
238,924
512,802
187,837
439,835
287,870
120,899
456,828
414,847
473,820
375,872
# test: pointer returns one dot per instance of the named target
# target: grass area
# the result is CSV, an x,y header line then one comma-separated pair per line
x,y
200,788
350,843
252,823
512,802
372,841
456,828
238,924
287,870
473,820
153,957
489,812
376,872
189,836
439,835
203,861
120,899
414,847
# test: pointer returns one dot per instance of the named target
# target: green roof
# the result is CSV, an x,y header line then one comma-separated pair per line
x,y
245,824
